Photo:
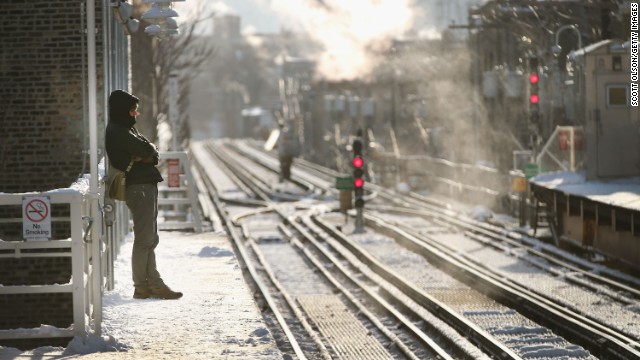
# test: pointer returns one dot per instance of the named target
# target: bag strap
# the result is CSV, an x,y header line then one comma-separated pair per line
x,y
129,167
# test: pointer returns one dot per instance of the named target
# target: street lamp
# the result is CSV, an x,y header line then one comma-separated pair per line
x,y
161,18
558,95
556,48
123,11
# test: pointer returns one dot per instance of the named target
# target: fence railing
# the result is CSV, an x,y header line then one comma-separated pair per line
x,y
564,150
87,271
178,193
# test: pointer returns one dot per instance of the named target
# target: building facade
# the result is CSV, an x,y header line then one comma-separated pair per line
x,y
44,142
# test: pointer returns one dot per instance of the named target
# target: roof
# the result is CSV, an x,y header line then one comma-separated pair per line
x,y
614,44
623,192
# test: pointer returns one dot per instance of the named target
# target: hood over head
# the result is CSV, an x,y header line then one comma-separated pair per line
x,y
120,104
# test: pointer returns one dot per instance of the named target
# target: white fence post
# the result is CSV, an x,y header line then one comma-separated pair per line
x,y
87,278
187,188
78,270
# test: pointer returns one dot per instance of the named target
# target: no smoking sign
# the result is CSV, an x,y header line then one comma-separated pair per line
x,y
36,218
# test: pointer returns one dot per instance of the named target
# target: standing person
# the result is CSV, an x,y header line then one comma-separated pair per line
x,y
125,144
287,151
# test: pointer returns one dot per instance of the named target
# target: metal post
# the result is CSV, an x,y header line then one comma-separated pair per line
x,y
572,149
173,110
77,268
96,231
523,209
359,226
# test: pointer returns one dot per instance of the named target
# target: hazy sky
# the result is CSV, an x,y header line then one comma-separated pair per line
x,y
348,32
255,14
269,15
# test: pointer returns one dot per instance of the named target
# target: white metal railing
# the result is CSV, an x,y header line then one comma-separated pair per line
x,y
564,149
178,204
90,275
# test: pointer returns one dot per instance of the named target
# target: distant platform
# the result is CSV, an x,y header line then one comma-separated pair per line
x,y
623,193
601,216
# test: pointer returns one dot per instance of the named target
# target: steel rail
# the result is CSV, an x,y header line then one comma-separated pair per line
x,y
308,186
516,240
246,177
361,308
226,222
424,338
371,317
441,211
462,325
624,343
290,302
587,331
620,347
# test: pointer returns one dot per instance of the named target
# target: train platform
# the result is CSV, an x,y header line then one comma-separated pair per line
x,y
217,318
623,193
602,216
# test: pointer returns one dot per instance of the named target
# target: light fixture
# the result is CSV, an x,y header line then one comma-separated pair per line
x,y
123,12
161,15
157,13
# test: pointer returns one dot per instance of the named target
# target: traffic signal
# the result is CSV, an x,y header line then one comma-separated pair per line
x,y
534,80
358,173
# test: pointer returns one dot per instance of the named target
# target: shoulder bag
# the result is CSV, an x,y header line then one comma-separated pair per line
x,y
116,181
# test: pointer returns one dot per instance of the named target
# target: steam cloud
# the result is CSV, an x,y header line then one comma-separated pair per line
x,y
350,32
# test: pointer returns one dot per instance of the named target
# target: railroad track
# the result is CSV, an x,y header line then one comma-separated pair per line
x,y
309,230
345,336
413,203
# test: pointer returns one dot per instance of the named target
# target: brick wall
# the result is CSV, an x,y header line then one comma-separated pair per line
x,y
41,85
42,137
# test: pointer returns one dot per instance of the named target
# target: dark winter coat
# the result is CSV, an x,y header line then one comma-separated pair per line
x,y
123,141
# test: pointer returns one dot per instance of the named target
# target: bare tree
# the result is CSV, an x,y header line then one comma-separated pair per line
x,y
154,60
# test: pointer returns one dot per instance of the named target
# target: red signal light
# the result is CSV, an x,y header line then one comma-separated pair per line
x,y
534,99
358,182
533,78
357,162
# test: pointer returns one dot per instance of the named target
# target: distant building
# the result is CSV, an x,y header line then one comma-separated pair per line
x,y
508,36
226,28
243,73
601,74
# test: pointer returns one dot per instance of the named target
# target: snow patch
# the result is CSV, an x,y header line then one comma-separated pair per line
x,y
209,251
480,213
92,343
403,187
546,351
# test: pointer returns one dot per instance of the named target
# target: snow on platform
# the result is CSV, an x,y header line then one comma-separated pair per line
x,y
624,193
217,318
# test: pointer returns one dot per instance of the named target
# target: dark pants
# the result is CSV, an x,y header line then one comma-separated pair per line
x,y
142,201
285,166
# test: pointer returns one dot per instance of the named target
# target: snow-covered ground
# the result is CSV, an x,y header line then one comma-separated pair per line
x,y
216,318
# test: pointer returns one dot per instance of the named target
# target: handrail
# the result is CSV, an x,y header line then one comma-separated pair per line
x,y
185,195
87,272
572,150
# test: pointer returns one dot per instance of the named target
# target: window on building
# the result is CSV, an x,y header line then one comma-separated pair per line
x,y
617,95
617,63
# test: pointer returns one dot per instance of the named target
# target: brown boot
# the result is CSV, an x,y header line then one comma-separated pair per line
x,y
141,292
164,292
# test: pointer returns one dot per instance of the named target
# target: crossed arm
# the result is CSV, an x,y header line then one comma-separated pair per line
x,y
152,159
